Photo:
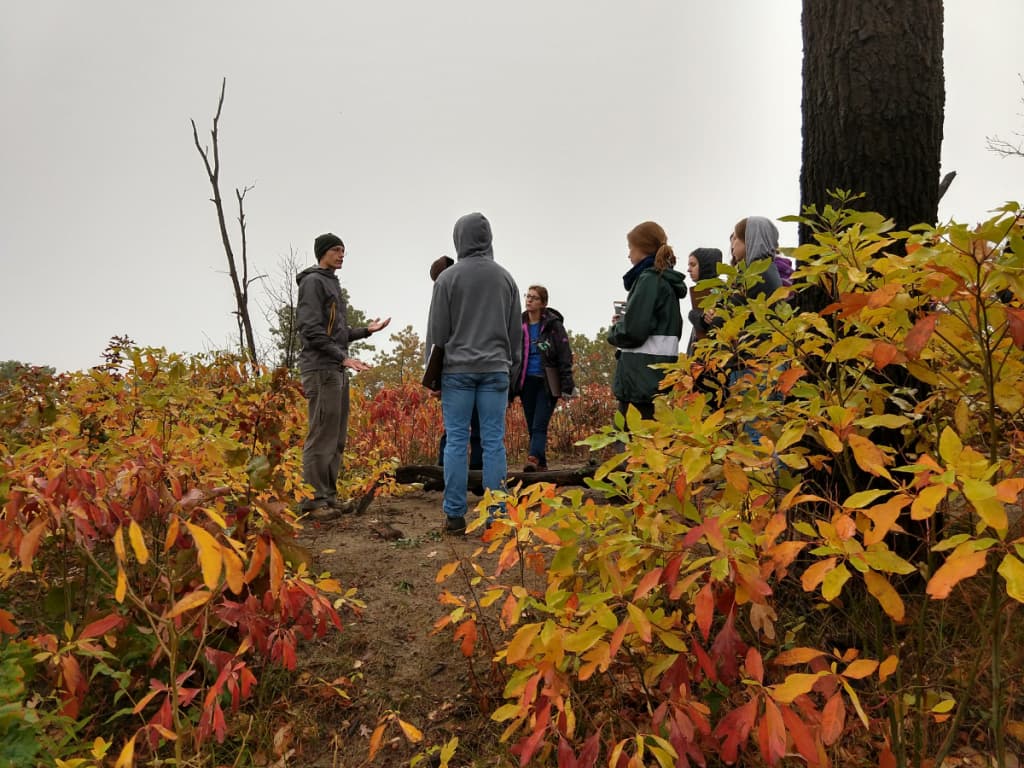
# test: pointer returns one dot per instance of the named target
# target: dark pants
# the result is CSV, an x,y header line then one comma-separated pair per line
x,y
646,409
538,406
476,450
327,393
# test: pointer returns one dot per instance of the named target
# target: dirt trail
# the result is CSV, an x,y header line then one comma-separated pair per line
x,y
391,554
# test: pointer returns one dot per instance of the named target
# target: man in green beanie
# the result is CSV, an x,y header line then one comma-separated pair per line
x,y
324,363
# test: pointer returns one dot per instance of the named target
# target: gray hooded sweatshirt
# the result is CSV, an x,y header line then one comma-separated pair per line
x,y
762,241
475,313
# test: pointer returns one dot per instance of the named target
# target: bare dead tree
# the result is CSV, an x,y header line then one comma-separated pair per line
x,y
240,282
1006,147
279,311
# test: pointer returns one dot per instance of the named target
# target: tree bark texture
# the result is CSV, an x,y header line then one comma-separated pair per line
x,y
873,105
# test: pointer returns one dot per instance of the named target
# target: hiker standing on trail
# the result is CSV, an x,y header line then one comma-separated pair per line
x,y
324,364
475,318
546,373
649,330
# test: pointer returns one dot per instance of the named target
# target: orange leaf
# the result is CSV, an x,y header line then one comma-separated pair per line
x,y
869,456
883,354
375,739
735,476
755,665
798,656
884,517
816,573
647,583
30,544
122,585
833,719
7,626
446,570
918,336
962,564
173,528
276,569
860,669
789,377
1015,324
188,602
887,667
519,646
926,502
259,557
127,757
466,631
886,759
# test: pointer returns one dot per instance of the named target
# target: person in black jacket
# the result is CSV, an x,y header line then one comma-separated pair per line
x,y
547,371
324,364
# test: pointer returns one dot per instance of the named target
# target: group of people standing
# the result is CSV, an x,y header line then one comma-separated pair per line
x,y
495,350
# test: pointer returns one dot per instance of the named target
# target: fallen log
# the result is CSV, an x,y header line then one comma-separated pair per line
x,y
432,476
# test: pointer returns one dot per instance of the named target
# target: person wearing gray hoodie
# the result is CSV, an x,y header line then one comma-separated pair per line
x,y
475,319
324,363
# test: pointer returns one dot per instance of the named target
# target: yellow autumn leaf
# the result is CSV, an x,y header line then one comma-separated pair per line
x,y
210,559
950,446
983,498
832,585
188,602
172,533
122,585
794,685
886,595
1012,570
138,543
831,440
127,757
412,733
119,549
233,572
519,647
926,502
887,667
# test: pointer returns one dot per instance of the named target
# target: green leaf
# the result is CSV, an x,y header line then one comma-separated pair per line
x,y
863,498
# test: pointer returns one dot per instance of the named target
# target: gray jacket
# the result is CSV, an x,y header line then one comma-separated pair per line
x,y
320,321
475,310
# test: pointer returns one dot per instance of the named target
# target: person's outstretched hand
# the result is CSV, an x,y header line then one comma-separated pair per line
x,y
377,324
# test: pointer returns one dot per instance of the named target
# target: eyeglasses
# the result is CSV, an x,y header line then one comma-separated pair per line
x,y
531,297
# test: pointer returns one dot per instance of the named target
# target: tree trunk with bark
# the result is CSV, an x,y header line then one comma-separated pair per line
x,y
873,105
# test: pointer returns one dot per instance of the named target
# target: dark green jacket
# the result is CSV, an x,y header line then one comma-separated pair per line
x,y
647,333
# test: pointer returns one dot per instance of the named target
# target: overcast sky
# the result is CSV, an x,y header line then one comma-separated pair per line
x,y
566,122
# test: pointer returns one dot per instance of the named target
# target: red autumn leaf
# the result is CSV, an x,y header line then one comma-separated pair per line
x,y
789,377
771,732
833,719
1015,324
703,608
727,649
801,735
755,665
734,729
101,626
883,354
918,336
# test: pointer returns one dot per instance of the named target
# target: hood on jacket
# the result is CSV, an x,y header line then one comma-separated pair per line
x,y
313,270
676,282
708,260
547,314
473,236
762,239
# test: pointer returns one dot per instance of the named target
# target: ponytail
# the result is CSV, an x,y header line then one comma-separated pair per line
x,y
665,258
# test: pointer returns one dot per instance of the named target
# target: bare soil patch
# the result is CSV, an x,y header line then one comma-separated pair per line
x,y
390,654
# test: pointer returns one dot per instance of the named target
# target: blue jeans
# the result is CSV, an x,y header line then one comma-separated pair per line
x,y
476,451
460,393
538,406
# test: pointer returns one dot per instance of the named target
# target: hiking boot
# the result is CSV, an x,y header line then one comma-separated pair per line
x,y
323,513
346,507
454,526
532,464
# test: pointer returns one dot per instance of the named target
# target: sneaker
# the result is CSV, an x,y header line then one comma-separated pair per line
x,y
455,526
